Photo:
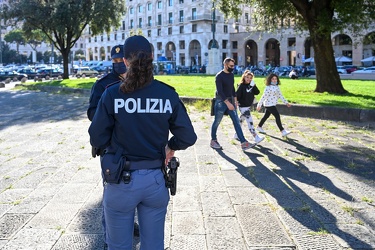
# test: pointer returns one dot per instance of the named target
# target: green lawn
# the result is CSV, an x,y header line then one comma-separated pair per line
x,y
361,92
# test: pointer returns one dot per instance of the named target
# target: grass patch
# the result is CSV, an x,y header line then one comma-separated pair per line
x,y
361,92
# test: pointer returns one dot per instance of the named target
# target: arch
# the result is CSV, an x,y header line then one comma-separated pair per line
x,y
342,45
368,48
170,51
251,53
272,50
195,50
102,55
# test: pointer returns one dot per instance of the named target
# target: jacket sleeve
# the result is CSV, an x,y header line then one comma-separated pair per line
x,y
102,125
181,128
239,93
256,90
282,98
96,92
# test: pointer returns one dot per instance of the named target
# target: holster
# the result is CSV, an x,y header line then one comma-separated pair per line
x,y
113,166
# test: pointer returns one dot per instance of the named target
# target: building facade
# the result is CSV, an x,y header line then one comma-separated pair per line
x,y
181,31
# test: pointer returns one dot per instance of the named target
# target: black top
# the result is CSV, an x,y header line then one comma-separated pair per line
x,y
224,85
245,95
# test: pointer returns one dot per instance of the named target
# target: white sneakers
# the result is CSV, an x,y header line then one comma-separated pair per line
x,y
258,139
260,130
284,133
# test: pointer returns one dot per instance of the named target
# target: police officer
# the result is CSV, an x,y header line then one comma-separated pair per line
x,y
136,119
114,77
117,73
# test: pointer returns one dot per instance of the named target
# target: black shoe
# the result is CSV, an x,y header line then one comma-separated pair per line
x,y
136,230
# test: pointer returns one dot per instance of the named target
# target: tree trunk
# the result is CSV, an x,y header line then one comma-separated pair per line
x,y
65,55
327,77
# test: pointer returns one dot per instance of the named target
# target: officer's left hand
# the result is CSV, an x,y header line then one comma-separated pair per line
x,y
169,153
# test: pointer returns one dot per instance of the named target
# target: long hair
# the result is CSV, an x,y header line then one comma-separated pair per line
x,y
247,72
268,79
139,72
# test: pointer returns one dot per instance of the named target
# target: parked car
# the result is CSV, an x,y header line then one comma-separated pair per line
x,y
341,70
365,70
42,73
350,68
182,70
11,74
85,71
31,73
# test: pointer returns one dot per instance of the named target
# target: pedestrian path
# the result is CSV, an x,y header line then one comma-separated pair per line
x,y
314,190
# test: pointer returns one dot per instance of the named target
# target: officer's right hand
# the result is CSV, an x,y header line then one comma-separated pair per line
x,y
169,153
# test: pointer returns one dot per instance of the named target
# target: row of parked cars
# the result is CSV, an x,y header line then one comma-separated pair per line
x,y
348,69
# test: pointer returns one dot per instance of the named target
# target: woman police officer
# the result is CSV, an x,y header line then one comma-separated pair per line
x,y
136,118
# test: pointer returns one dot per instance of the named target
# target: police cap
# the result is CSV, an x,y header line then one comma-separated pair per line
x,y
117,51
134,44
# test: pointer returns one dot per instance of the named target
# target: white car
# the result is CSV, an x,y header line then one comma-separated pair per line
x,y
365,70
341,70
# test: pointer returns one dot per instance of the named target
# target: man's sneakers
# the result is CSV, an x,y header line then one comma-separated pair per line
x,y
260,130
258,139
246,145
215,144
284,133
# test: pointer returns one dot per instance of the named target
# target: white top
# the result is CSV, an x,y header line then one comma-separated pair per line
x,y
271,95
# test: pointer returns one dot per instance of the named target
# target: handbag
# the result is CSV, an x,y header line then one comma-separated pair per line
x,y
213,100
112,166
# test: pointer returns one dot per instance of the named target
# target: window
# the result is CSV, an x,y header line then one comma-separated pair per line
x,y
149,6
193,14
159,32
160,5
194,28
225,42
182,44
159,19
131,23
95,39
123,36
131,10
234,44
123,25
181,29
170,3
149,33
115,37
140,23
149,21
108,38
170,17
140,9
246,17
89,39
181,18
159,45
101,38
170,31
181,1
225,28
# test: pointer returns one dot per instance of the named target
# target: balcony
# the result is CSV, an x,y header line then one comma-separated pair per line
x,y
204,17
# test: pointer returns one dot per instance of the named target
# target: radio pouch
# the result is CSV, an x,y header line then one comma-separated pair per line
x,y
112,166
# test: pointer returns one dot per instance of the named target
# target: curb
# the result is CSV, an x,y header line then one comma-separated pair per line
x,y
315,112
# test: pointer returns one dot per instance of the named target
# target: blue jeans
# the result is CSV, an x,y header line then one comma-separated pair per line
x,y
220,108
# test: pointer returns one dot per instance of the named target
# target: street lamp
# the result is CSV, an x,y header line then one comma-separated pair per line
x,y
213,45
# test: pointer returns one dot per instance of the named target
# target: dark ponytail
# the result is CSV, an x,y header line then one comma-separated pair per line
x,y
139,72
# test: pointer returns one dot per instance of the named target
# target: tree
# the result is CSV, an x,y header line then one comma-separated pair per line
x,y
64,21
320,18
15,36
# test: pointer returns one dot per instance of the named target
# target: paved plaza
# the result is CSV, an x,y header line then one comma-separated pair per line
x,y
314,190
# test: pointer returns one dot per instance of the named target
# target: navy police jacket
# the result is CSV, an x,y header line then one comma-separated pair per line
x,y
139,122
97,91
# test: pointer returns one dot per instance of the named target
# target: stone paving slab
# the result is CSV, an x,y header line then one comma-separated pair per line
x,y
312,190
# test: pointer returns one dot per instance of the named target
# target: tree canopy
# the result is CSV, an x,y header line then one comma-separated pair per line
x,y
63,21
320,18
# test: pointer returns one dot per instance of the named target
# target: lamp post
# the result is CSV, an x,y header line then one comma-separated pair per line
x,y
213,45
